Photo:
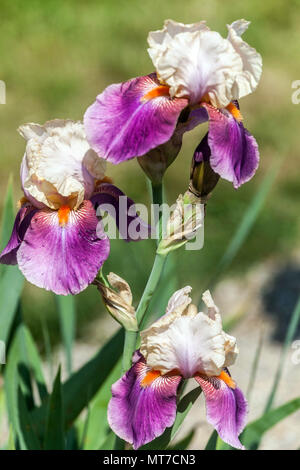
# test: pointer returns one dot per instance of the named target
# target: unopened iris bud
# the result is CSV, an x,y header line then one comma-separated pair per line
x,y
118,301
184,223
203,179
156,161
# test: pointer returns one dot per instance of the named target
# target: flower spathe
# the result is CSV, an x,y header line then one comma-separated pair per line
x,y
180,345
198,76
57,240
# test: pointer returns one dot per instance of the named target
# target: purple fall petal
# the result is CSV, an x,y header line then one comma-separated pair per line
x,y
113,200
234,151
196,117
22,221
226,409
121,124
63,259
139,414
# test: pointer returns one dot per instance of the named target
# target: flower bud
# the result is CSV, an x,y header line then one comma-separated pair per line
x,y
118,301
203,179
184,223
156,162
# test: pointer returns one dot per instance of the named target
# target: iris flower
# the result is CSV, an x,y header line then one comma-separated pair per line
x,y
198,76
57,240
182,344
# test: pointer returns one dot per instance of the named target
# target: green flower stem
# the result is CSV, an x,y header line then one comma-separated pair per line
x,y
131,336
129,348
151,286
153,280
157,198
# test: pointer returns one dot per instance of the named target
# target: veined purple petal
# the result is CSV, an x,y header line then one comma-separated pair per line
x,y
130,225
226,409
139,413
234,151
63,258
22,221
196,117
126,121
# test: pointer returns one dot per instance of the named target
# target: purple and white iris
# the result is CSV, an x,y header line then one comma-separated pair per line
x,y
198,77
57,240
180,345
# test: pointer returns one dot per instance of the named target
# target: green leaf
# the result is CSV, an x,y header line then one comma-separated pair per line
x,y
82,386
11,279
183,443
255,430
246,224
11,285
97,426
47,346
90,377
8,216
26,425
183,408
67,316
293,325
254,368
108,443
54,433
212,442
18,388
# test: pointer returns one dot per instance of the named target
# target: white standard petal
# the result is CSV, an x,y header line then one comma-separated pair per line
x,y
58,166
230,346
247,80
160,40
186,341
179,300
201,65
190,345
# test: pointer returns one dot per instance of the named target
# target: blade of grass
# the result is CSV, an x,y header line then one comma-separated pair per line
x,y
212,442
97,427
82,386
8,215
11,280
254,367
183,443
67,317
11,286
246,224
109,442
18,390
183,408
255,430
54,432
48,348
293,325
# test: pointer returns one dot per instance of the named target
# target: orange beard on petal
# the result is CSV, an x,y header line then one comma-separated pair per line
x,y
150,377
236,113
227,379
162,90
63,215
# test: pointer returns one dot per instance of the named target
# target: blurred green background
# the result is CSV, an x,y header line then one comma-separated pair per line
x,y
56,56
